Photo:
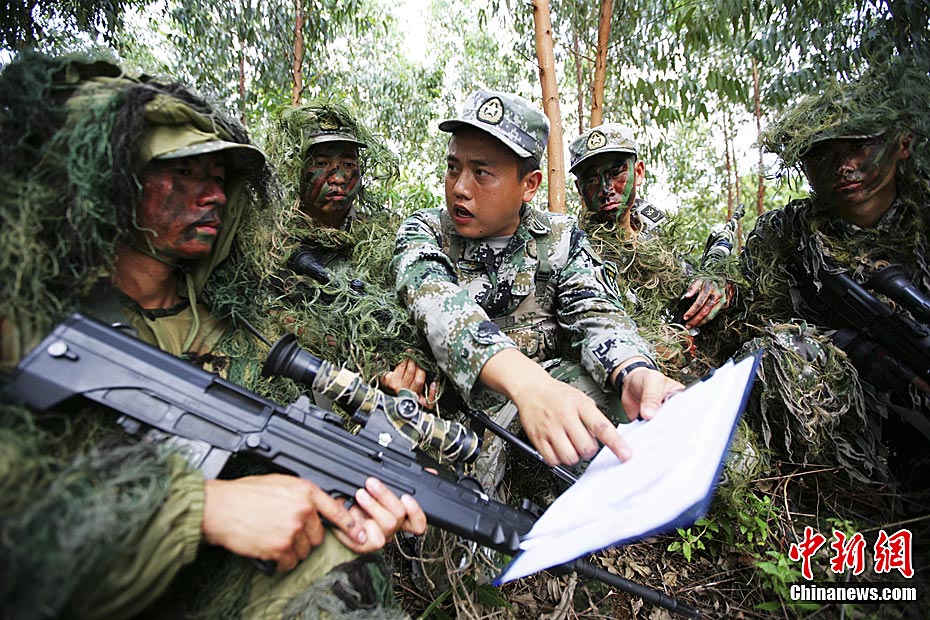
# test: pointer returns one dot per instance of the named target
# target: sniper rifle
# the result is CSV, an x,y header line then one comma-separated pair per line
x,y
152,389
888,344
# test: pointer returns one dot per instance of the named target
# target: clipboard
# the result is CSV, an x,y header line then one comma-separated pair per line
x,y
678,458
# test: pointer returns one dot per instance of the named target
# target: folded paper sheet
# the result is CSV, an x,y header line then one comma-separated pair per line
x,y
669,482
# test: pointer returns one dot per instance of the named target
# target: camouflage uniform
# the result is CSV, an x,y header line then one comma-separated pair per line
x,y
617,138
542,289
782,257
653,271
163,557
816,402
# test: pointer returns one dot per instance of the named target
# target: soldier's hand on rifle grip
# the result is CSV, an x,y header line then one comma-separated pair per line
x,y
273,517
382,514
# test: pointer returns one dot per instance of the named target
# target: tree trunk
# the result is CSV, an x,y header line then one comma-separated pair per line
x,y
241,79
579,81
298,53
729,164
600,62
550,95
737,199
760,195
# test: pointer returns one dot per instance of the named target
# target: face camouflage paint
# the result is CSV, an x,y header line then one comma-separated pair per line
x,y
855,176
608,186
331,183
180,213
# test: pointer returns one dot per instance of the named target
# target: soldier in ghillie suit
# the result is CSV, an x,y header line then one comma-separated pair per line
x,y
505,294
832,393
653,272
328,247
121,195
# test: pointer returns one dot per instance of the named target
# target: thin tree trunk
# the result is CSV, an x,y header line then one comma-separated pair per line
x,y
550,95
760,195
729,165
298,53
579,81
242,80
736,188
600,62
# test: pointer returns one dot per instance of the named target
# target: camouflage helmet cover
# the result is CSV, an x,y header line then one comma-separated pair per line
x,y
513,120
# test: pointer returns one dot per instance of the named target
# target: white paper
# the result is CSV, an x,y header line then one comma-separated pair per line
x,y
676,457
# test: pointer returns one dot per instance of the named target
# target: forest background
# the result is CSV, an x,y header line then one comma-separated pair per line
x,y
696,79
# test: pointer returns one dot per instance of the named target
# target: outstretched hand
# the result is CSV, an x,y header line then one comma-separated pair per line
x,y
565,424
710,298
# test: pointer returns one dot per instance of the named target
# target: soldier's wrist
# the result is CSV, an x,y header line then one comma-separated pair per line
x,y
628,369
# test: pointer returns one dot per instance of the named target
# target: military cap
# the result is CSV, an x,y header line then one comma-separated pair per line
x,y
606,138
326,126
513,120
841,122
175,131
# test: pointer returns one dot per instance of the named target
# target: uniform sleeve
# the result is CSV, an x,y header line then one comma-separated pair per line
x,y
590,309
171,540
459,332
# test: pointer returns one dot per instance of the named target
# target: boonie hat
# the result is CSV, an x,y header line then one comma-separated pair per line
x,y
513,120
185,140
606,138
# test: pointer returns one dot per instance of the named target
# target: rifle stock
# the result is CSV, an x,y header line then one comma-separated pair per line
x,y
153,389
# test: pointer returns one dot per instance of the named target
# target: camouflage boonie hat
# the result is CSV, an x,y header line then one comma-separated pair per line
x,y
606,138
513,120
328,127
174,130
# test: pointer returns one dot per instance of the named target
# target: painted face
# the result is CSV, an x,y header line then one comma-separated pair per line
x,y
331,182
608,185
483,190
856,177
180,210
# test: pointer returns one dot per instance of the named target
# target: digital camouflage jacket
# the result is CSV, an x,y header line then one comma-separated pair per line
x,y
543,289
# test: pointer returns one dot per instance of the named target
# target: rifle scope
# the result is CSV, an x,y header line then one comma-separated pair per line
x,y
891,282
305,263
453,440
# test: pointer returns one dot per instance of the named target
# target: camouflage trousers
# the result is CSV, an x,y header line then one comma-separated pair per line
x,y
491,464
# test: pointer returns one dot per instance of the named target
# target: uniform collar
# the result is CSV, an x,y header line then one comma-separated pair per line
x,y
536,222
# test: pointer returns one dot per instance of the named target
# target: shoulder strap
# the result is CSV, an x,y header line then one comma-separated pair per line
x,y
544,271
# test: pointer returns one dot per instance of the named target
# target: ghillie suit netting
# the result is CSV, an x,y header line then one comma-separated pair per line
x,y
70,147
827,409
77,496
652,275
355,319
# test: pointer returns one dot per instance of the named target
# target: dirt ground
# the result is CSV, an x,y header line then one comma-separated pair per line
x,y
734,563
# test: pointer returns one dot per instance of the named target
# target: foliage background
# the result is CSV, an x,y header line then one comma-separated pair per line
x,y
697,79
680,71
